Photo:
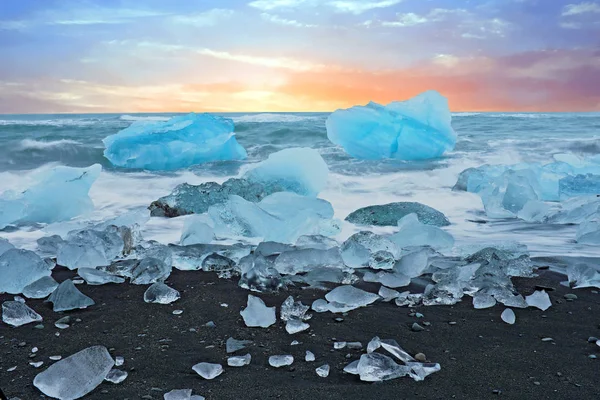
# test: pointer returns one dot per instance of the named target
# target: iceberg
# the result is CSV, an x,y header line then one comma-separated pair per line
x,y
299,170
414,129
414,233
20,268
177,143
389,214
58,194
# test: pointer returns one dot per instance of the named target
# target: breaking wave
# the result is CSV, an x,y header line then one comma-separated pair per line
x,y
134,118
271,117
31,144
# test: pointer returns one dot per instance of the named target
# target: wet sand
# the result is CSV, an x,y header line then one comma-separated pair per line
x,y
479,354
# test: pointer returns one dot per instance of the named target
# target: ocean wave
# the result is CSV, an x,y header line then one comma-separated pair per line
x,y
48,122
269,117
31,144
134,118
465,114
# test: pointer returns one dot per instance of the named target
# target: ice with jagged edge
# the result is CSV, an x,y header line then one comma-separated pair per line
x,y
77,375
415,129
539,299
96,277
196,230
90,248
358,250
346,297
20,268
17,313
161,294
208,370
239,361
177,143
232,345
413,233
67,297
257,314
56,194
41,288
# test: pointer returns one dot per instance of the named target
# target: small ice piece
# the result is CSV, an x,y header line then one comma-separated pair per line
x,y
539,299
257,314
208,370
55,358
36,364
67,297
294,343
339,345
483,300
196,230
305,260
291,309
323,371
320,305
150,270
177,312
178,394
413,233
20,268
508,316
239,361
161,294
309,357
119,361
294,325
94,276
389,214
358,249
232,345
34,350
352,368
281,361
41,288
116,376
300,170
16,313
351,297
388,294
375,367
76,375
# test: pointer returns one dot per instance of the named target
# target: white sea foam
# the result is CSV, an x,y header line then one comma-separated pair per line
x,y
27,144
273,117
134,118
48,122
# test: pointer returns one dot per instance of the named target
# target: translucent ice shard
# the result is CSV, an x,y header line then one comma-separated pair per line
x,y
257,314
91,248
259,274
281,361
415,129
94,276
508,316
177,143
539,299
239,361
582,276
208,370
161,294
178,394
67,297
299,170
389,214
358,250
41,288
151,269
588,233
57,194
196,230
5,245
294,325
233,345
19,268
483,300
375,367
351,297
116,376
291,309
304,260
392,280
77,375
388,294
323,371
309,356
414,233
414,263
16,313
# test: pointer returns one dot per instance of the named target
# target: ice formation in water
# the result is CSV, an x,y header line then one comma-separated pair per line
x,y
177,143
76,375
299,170
57,194
389,214
414,129
20,268
17,313
257,314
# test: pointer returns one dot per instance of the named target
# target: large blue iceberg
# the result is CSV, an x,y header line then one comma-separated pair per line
x,y
177,143
58,194
415,129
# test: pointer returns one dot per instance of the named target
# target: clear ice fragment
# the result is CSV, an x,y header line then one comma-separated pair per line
x,y
67,297
94,276
257,314
116,376
323,371
161,294
281,361
41,288
20,268
294,325
208,370
233,345
239,361
351,297
16,313
539,299
508,316
309,356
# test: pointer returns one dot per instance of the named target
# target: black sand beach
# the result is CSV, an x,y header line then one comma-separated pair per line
x,y
481,356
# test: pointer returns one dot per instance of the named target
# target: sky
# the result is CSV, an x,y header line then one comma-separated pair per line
x,y
296,55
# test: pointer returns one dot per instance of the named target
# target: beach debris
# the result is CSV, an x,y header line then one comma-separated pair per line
x,y
77,375
232,345
67,297
539,299
420,357
116,376
161,294
279,361
208,370
41,288
309,357
239,361
20,268
323,371
508,316
17,313
94,276
257,314
389,214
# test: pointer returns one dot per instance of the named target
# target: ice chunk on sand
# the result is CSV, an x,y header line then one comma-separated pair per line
x,y
358,250
57,194
196,230
309,356
258,274
483,300
291,309
415,129
281,361
351,297
257,314
178,394
375,367
508,316
208,370
232,345
90,248
281,216
156,266
389,214
539,299
77,375
177,143
582,276
414,263
239,361
161,294
19,268
304,260
414,233
96,277
67,297
16,313
392,280
41,288
295,325
323,371
5,245
388,294
300,170
116,376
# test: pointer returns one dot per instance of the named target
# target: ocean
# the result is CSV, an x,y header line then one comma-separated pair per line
x,y
29,143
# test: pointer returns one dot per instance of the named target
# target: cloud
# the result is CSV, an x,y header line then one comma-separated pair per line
x,y
408,19
267,5
287,22
207,18
360,6
341,6
580,8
